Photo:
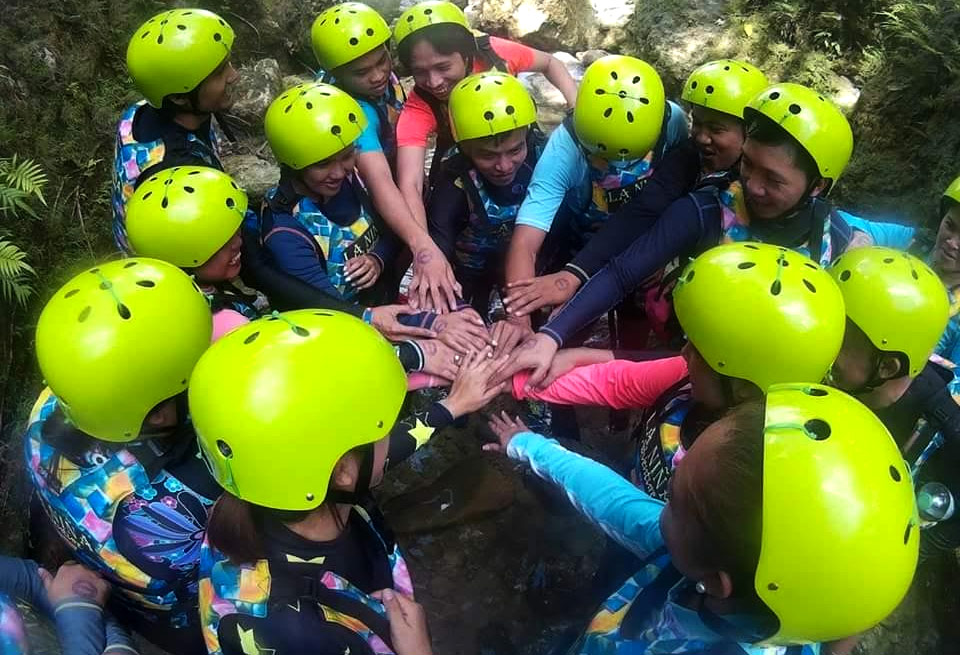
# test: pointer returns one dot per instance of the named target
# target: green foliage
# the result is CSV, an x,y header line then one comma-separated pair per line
x,y
14,274
19,181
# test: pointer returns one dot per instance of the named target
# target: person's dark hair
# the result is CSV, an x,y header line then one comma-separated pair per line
x,y
729,503
446,38
946,204
764,130
235,525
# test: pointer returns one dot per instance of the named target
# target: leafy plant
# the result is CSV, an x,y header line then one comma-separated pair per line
x,y
15,273
20,182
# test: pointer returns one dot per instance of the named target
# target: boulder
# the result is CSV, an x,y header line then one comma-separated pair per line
x,y
551,106
260,82
255,174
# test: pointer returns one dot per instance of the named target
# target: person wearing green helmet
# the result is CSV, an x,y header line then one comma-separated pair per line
x,y
483,180
350,41
594,163
319,226
180,61
945,260
732,563
297,459
896,314
437,47
110,451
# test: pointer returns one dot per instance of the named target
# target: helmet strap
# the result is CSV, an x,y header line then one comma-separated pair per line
x,y
362,489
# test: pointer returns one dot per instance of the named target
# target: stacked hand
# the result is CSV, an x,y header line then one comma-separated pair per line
x,y
433,287
362,272
473,387
462,330
527,296
506,429
74,581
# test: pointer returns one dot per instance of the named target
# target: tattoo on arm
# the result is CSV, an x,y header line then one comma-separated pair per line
x,y
84,589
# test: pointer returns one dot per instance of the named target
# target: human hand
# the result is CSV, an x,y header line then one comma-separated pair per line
x,y
434,286
385,319
527,296
408,623
472,388
462,330
506,335
75,581
535,353
439,359
362,272
506,429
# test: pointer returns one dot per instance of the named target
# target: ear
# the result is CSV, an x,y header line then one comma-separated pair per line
x,y
180,100
719,584
744,390
890,367
345,473
820,186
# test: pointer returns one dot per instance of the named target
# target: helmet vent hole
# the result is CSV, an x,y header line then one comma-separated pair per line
x,y
726,68
809,285
809,265
299,331
636,78
84,314
906,534
224,448
644,101
629,116
602,146
217,36
607,112
894,473
478,87
183,382
776,287
354,41
230,203
189,189
71,293
745,265
721,364
369,31
690,275
130,264
123,310
693,84
379,424
509,109
181,27
427,11
709,88
817,429
309,105
794,109
914,274
251,338
352,117
774,95
165,203
194,173
160,40
94,270
599,92
287,109
773,586
816,392
488,115
147,284
613,74
844,276
624,151
888,260
145,34
750,247
106,284
410,19
622,93
234,185
322,314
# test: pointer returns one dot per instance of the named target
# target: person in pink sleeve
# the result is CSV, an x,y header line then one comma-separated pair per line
x,y
754,315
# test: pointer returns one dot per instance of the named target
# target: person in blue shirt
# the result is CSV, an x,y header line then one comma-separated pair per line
x,y
598,159
945,260
732,564
350,41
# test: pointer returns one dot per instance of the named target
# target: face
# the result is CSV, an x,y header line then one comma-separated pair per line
x,y
856,363
225,263
718,136
161,419
705,384
680,523
367,76
499,162
215,93
946,250
772,182
434,72
326,177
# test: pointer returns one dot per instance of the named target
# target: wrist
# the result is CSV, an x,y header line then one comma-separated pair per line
x,y
452,404
368,316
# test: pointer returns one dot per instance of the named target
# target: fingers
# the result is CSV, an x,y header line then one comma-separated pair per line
x,y
400,330
538,376
449,294
526,303
419,300
521,283
492,447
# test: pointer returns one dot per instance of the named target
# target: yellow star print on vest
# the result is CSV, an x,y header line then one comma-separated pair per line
x,y
249,645
421,433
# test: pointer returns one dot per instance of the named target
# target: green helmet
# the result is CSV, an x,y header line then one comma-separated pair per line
x,y
895,299
176,50
120,338
312,122
620,108
815,122
346,32
952,193
761,313
490,103
425,14
725,85
184,215
270,427
839,518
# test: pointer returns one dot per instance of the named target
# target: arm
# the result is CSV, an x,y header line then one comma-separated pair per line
x,y
675,232
414,128
890,235
525,244
295,254
558,75
446,214
618,384
622,511
673,177
389,202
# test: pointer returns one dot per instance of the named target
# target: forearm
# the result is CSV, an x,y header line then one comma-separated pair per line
x,y
390,203
560,77
522,255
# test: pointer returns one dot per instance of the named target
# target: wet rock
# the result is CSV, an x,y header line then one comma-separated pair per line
x,y
254,174
551,105
845,94
547,24
293,80
259,84
587,57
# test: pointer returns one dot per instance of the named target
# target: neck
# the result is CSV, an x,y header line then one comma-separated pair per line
x,y
950,280
886,394
190,120
322,524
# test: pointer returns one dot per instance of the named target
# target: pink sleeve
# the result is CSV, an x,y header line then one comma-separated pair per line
x,y
226,320
519,57
618,384
416,122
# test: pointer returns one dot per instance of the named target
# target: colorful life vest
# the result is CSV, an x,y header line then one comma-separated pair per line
x,y
132,158
388,108
334,243
229,592
658,440
237,296
111,511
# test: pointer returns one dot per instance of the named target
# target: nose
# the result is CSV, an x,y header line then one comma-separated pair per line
x,y
435,80
701,136
232,74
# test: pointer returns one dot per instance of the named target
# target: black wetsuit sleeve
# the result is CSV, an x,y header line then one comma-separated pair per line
x,y
414,430
673,177
447,213
285,291
676,232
